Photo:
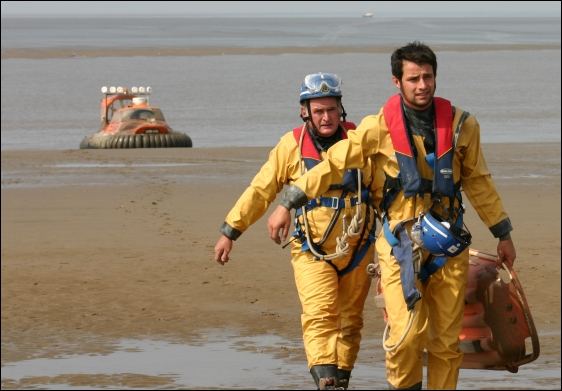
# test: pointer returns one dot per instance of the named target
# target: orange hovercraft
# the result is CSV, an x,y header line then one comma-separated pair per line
x,y
498,331
129,121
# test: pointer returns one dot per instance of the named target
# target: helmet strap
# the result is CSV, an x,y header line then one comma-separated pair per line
x,y
343,113
307,116
308,119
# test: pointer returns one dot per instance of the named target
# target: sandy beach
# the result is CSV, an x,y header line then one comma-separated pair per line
x,y
100,245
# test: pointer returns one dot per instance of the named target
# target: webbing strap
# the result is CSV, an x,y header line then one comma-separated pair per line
x,y
389,236
396,184
358,255
335,203
430,267
403,254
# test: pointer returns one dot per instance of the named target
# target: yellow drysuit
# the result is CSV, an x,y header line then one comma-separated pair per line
x,y
439,314
332,306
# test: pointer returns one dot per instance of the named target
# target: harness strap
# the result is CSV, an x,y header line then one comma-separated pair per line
x,y
359,253
393,186
463,118
403,254
396,184
431,266
335,203
388,235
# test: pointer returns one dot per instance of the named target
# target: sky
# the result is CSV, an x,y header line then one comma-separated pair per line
x,y
281,8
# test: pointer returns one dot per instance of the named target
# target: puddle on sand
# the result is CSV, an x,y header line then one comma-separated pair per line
x,y
218,362
227,362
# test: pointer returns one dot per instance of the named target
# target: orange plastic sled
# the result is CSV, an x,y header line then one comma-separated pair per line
x,y
498,331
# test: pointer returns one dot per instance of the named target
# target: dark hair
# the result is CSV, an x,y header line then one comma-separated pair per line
x,y
415,52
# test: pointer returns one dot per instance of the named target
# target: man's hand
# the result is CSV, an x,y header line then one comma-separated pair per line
x,y
222,249
506,252
278,224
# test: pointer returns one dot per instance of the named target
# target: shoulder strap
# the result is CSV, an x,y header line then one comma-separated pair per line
x,y
464,116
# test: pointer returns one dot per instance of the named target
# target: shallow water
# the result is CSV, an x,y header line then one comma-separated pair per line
x,y
275,31
228,361
251,100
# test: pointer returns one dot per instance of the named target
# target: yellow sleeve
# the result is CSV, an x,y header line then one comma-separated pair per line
x,y
377,185
352,152
477,181
265,186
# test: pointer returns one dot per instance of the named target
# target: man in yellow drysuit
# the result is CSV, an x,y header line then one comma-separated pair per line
x,y
428,150
331,277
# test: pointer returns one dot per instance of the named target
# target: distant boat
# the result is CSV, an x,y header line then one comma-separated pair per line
x,y
368,15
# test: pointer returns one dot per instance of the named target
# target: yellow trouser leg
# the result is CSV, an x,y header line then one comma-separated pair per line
x,y
436,326
444,299
332,308
353,291
404,365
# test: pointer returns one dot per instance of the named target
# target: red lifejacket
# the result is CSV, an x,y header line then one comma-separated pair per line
x,y
443,182
309,153
311,156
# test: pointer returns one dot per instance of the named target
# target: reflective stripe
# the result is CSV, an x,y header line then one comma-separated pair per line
x,y
435,228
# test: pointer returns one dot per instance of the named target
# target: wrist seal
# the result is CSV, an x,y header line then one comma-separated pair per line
x,y
293,198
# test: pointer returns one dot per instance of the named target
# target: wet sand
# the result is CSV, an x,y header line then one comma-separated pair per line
x,y
40,53
98,246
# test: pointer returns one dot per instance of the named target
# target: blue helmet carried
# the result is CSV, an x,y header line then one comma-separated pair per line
x,y
320,85
440,239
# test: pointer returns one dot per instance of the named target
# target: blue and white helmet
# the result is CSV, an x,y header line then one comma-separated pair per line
x,y
442,240
320,85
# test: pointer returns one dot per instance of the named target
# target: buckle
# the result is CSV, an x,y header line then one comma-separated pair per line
x,y
335,203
